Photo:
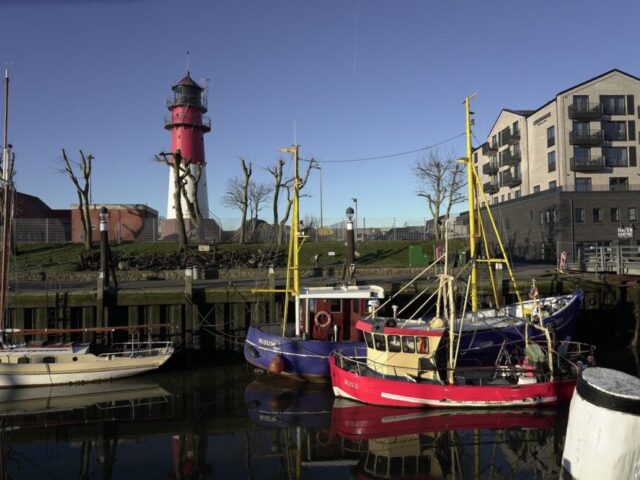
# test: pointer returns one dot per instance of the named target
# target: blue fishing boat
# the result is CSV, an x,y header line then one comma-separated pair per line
x,y
324,317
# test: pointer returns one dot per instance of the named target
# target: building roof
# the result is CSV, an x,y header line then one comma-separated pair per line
x,y
29,206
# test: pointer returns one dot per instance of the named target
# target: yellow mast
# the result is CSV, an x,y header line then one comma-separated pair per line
x,y
293,270
476,229
471,189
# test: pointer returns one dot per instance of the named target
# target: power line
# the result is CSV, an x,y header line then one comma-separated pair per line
x,y
391,155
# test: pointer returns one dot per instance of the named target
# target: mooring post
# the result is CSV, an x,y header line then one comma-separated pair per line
x,y
104,245
188,308
349,261
272,299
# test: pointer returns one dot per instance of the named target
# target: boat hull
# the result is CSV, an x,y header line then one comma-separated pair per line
x,y
400,393
480,342
303,359
33,370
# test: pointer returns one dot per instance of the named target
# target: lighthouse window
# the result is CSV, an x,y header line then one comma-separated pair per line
x,y
378,340
369,339
394,343
408,344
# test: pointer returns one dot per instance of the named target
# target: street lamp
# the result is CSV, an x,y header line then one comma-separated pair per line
x,y
355,201
321,218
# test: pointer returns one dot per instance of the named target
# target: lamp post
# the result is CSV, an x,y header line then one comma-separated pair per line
x,y
355,201
350,253
104,245
321,217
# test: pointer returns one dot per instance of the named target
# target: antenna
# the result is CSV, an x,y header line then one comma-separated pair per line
x,y
187,62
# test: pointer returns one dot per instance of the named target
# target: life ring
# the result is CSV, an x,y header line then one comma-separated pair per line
x,y
322,319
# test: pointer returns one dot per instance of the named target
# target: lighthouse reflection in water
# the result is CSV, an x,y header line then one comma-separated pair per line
x,y
224,422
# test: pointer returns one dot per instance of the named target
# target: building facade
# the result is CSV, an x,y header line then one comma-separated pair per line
x,y
565,176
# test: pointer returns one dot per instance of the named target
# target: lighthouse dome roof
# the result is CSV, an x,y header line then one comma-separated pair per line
x,y
187,81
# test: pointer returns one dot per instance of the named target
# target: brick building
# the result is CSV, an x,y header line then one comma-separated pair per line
x,y
126,222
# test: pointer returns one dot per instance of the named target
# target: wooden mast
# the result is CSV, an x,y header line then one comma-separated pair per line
x,y
7,175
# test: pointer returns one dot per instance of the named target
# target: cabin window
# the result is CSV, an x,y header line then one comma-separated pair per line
x,y
24,360
356,306
381,465
395,467
369,339
423,345
378,341
411,466
370,462
408,344
49,360
336,305
394,343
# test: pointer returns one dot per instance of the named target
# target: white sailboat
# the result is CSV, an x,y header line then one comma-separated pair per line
x,y
52,364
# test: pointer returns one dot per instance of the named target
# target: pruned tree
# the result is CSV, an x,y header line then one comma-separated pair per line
x,y
442,183
277,173
258,194
191,197
287,186
180,172
82,182
237,195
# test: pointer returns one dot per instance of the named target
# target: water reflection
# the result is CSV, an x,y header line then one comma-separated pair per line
x,y
222,422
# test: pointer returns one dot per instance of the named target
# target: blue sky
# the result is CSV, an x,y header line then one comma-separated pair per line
x,y
349,78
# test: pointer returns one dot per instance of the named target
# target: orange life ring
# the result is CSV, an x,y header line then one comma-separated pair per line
x,y
322,319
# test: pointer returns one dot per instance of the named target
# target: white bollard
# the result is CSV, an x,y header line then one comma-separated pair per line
x,y
603,432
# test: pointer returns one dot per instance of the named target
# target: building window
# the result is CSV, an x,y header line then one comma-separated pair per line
x,y
581,103
552,185
597,215
551,161
615,214
551,136
615,156
583,184
613,104
618,184
536,189
475,157
542,215
516,194
494,141
633,214
578,214
515,128
615,131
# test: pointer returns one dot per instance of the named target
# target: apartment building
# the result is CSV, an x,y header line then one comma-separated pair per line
x,y
565,176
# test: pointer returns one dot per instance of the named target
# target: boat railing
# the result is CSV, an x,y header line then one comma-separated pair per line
x,y
132,349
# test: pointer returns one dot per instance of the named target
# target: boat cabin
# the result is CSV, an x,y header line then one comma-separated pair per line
x,y
332,312
407,456
402,350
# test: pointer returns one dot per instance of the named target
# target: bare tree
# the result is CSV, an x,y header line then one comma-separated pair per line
x,y
83,186
180,169
441,184
277,173
258,194
237,195
191,201
288,188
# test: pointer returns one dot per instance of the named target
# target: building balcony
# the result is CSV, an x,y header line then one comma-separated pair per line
x,y
615,136
490,188
490,168
511,139
488,149
593,164
586,138
585,112
511,159
509,180
188,119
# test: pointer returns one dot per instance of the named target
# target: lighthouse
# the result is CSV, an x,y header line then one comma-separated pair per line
x,y
188,124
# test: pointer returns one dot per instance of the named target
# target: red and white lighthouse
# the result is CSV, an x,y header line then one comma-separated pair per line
x,y
188,124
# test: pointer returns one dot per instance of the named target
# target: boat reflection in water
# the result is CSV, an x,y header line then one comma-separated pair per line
x,y
292,437
419,443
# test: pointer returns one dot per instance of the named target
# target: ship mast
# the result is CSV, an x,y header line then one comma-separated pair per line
x,y
477,231
292,286
7,176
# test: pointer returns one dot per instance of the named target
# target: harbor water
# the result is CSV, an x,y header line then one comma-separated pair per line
x,y
227,421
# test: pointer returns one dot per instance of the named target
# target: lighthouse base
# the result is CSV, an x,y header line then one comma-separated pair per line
x,y
208,232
